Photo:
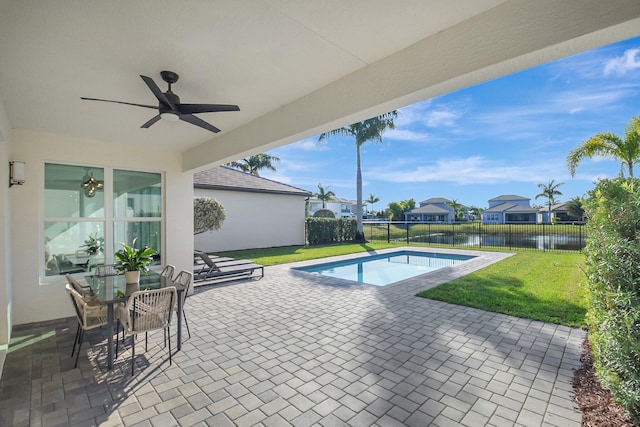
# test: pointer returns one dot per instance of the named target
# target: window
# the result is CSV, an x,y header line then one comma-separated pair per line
x,y
89,211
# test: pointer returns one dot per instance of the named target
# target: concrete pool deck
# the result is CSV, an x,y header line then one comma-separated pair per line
x,y
300,349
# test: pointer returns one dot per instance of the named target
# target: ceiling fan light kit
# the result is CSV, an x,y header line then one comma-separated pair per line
x,y
169,106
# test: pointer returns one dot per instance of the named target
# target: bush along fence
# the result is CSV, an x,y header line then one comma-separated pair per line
x,y
330,230
613,272
545,237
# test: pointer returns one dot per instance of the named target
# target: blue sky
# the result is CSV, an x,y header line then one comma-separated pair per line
x,y
503,136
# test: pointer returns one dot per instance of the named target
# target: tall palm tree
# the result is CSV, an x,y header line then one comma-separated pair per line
x,y
324,194
255,164
611,146
373,199
575,208
550,191
367,130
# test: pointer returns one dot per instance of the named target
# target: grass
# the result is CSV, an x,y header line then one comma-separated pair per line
x,y
543,286
535,285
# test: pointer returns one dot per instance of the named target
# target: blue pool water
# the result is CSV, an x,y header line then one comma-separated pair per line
x,y
381,270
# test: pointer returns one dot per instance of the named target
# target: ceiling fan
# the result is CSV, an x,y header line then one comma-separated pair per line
x,y
169,106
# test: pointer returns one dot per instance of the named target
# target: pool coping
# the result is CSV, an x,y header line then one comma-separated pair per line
x,y
481,259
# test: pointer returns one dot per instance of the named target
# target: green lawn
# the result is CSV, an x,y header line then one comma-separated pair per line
x,y
535,285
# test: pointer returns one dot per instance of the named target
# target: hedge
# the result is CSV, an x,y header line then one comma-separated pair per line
x,y
613,271
330,230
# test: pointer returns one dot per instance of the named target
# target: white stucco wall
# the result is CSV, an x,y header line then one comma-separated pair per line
x,y
254,220
37,299
5,236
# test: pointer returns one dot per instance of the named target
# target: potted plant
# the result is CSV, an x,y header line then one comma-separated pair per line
x,y
133,261
93,244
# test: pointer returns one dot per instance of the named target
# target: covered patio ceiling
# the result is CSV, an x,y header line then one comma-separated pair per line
x,y
295,67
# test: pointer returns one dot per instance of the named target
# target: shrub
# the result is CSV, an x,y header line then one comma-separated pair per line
x,y
208,214
330,230
613,270
324,213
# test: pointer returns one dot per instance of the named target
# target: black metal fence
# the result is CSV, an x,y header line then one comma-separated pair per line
x,y
543,237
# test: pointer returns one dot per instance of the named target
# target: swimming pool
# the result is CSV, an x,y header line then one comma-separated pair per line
x,y
382,270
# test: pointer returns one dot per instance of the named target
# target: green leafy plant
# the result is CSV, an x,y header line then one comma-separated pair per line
x,y
132,259
93,243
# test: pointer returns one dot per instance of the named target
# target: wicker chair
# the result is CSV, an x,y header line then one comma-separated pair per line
x,y
89,317
106,270
167,271
147,311
83,290
185,278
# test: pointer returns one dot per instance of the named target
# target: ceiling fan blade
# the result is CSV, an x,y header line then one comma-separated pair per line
x,y
198,122
120,102
206,108
151,121
157,92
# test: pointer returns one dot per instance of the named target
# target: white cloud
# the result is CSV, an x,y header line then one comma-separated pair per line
x,y
472,170
444,117
620,65
309,144
407,135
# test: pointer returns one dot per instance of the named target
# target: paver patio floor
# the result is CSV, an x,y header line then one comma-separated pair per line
x,y
301,350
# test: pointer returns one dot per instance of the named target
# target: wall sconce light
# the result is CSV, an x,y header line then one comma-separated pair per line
x,y
16,173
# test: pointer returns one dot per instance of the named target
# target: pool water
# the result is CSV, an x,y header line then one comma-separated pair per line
x,y
382,270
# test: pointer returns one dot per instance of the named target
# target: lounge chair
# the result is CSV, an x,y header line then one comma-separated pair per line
x,y
215,269
212,264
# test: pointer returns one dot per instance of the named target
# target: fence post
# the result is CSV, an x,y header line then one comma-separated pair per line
x,y
407,224
453,233
580,229
480,233
543,245
509,234
389,232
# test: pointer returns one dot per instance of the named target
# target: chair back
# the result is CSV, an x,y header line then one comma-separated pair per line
x,y
84,291
184,278
150,310
89,317
103,270
167,271
207,260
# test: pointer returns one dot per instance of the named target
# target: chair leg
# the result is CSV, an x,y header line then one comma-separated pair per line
x,y
117,340
79,347
169,333
75,340
184,315
146,341
133,353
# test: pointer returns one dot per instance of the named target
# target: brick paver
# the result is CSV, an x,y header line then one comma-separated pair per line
x,y
296,349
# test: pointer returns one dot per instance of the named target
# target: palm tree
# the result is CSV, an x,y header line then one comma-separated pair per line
x,y
455,205
372,200
255,163
324,194
367,130
611,146
550,192
575,209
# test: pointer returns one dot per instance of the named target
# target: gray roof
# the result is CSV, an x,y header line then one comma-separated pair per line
x,y
430,209
511,208
226,178
435,200
507,197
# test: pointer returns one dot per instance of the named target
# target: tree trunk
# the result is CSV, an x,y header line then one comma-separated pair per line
x,y
358,190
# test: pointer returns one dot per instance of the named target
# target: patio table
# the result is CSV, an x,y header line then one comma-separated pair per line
x,y
111,290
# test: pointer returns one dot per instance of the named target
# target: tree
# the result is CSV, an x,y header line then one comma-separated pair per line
x,y
397,209
255,164
208,214
367,130
476,211
372,200
550,192
575,208
611,146
324,194
456,206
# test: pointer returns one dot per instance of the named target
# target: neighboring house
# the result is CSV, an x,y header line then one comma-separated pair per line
x,y
342,208
260,213
435,209
509,209
559,213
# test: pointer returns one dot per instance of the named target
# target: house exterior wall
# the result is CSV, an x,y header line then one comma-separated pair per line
x,y
340,209
254,220
36,298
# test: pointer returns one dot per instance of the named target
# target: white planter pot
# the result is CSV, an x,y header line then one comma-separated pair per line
x,y
132,277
